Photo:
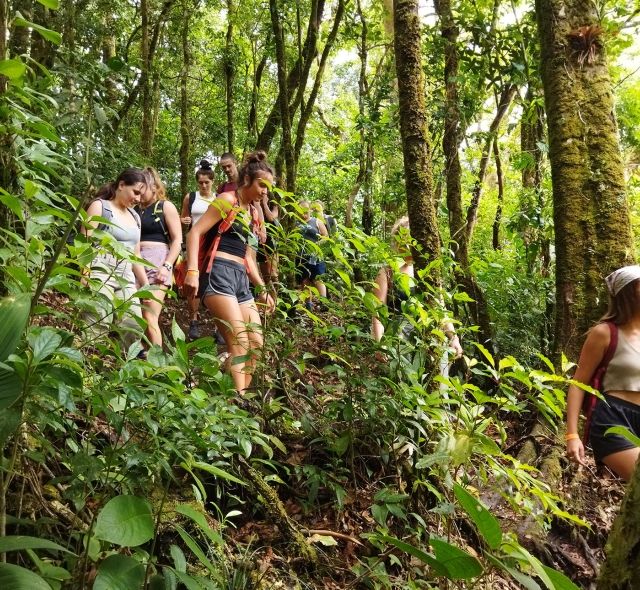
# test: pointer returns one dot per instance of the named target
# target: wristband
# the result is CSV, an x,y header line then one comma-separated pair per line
x,y
572,436
195,270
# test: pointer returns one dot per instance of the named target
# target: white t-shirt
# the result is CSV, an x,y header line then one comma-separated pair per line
x,y
200,205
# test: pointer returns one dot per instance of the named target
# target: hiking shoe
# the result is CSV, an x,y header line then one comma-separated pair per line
x,y
194,330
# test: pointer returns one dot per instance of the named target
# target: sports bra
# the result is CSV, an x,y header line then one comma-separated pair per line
x,y
238,237
152,224
623,372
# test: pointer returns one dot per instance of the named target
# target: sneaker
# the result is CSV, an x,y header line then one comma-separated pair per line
x,y
194,330
219,339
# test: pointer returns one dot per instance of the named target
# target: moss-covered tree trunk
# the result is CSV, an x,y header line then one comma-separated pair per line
x,y
229,75
185,135
592,229
414,131
621,569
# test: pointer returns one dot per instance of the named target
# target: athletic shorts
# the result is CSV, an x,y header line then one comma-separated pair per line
x,y
613,412
309,269
156,254
227,278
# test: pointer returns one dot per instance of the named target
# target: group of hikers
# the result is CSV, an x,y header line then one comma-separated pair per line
x,y
231,265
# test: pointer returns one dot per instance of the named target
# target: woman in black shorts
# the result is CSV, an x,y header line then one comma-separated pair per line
x,y
621,382
225,289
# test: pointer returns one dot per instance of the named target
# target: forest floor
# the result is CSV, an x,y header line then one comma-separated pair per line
x,y
592,493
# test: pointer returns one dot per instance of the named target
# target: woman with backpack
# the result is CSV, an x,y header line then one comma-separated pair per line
x,y
616,339
160,244
220,247
309,266
111,273
194,205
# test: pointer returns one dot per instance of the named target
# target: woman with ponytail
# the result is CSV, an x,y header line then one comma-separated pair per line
x,y
231,264
194,206
116,278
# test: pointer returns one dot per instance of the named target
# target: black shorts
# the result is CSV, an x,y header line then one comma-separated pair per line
x,y
227,278
309,269
613,412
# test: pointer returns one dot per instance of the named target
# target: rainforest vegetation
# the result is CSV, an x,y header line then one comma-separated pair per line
x,y
507,131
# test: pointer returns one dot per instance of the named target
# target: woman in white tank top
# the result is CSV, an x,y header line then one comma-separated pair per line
x,y
621,383
192,210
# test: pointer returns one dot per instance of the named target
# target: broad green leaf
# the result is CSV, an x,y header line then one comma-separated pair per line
x,y
119,572
487,524
486,354
10,388
44,342
201,521
9,421
424,557
52,4
19,543
460,564
12,68
126,521
179,560
19,578
213,470
51,36
195,548
189,582
560,581
14,313
625,432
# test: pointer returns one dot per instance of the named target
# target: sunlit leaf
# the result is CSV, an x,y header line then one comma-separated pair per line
x,y
487,524
12,68
126,521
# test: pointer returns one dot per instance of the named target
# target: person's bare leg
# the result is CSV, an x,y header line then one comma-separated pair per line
x,y
229,319
151,310
623,463
253,330
322,288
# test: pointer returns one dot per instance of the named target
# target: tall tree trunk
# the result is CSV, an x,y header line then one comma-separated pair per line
x,y
19,40
4,29
413,131
621,568
307,109
145,73
591,218
452,137
185,131
255,94
229,75
506,96
155,115
367,205
498,218
290,181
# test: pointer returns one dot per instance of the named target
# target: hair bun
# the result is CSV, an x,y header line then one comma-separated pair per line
x,y
205,165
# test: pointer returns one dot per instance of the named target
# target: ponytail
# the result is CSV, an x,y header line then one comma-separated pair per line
x,y
129,177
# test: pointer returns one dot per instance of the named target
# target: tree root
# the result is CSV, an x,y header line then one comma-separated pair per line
x,y
276,510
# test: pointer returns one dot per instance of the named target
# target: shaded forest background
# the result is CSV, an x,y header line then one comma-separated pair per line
x,y
375,454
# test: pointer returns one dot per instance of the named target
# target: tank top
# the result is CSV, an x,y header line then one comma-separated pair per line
x,y
623,372
200,205
152,224
238,237
128,236
227,187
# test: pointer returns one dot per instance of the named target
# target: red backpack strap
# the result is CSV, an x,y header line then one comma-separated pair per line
x,y
225,225
611,349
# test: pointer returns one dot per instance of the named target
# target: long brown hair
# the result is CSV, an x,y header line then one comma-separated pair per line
x,y
129,176
624,305
161,191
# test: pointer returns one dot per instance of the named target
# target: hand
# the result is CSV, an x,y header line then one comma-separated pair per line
x,y
267,301
575,451
185,220
457,347
191,284
162,275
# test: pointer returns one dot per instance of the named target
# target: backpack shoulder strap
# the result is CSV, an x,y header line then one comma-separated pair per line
x,y
135,215
192,199
613,344
107,211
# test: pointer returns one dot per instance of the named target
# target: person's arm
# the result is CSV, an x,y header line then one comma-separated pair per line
x,y
172,222
93,210
261,230
185,214
211,216
454,341
139,271
591,355
380,290
270,214
257,281
322,228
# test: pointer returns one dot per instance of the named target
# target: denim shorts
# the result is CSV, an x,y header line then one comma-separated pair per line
x,y
613,412
227,278
309,269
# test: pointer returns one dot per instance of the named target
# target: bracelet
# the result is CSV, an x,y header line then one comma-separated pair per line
x,y
193,270
572,436
168,266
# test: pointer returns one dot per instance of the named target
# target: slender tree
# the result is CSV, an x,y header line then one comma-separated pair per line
x,y
185,134
592,228
414,131
229,75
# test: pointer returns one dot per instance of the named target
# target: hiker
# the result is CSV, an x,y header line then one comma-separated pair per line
x,y
160,244
329,220
112,274
267,256
392,291
227,262
621,382
194,206
230,168
309,266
